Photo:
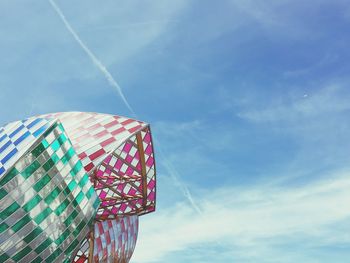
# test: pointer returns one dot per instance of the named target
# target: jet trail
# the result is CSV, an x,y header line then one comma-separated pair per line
x,y
91,55
174,175
172,171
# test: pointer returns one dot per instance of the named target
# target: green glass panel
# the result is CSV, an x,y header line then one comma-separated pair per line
x,y
61,207
37,260
53,195
66,191
45,143
38,150
97,203
40,217
80,197
4,257
3,227
5,179
21,223
67,156
71,186
32,203
70,218
60,126
79,228
72,246
84,180
55,145
62,139
9,210
36,232
75,203
77,167
54,255
47,242
25,251
30,169
48,165
50,130
90,192
55,158
42,182
3,193
62,237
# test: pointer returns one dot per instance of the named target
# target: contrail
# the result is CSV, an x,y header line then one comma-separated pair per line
x,y
172,171
174,175
91,55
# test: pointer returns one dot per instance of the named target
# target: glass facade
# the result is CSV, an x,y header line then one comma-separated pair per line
x,y
72,186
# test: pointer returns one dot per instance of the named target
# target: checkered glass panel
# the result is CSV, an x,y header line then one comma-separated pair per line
x,y
17,137
47,202
50,169
113,241
125,181
94,135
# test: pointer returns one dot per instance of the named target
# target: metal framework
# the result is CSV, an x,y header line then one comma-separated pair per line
x,y
114,152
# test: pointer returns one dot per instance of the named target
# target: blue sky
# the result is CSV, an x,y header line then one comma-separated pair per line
x,y
249,103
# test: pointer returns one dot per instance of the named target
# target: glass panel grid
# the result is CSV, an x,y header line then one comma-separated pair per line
x,y
59,203
62,188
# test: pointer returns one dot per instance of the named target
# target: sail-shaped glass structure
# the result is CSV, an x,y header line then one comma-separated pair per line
x,y
72,186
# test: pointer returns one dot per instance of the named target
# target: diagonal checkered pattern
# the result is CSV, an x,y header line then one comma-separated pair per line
x,y
47,202
113,241
118,154
125,181
83,253
17,137
96,135
55,183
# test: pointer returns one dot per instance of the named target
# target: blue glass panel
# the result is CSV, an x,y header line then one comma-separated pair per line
x,y
40,131
4,147
3,137
9,156
16,131
18,141
30,125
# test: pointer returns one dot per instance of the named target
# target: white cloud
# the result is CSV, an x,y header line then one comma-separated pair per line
x,y
328,100
288,18
246,220
324,61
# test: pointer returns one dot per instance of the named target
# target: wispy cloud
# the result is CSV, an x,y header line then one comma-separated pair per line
x,y
328,100
326,60
286,17
249,219
130,25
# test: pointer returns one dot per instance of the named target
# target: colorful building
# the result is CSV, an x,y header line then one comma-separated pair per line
x,y
72,186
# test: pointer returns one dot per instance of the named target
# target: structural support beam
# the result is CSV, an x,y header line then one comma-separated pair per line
x,y
143,167
91,245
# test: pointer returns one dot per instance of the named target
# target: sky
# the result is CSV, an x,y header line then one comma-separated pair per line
x,y
248,102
